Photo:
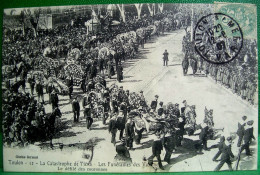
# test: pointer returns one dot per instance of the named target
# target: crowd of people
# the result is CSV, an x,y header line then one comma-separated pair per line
x,y
128,113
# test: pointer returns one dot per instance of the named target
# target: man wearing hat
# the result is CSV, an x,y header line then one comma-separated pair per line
x,y
226,155
241,130
154,103
248,136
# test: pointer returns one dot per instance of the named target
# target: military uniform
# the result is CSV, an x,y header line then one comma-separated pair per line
x,y
248,136
225,157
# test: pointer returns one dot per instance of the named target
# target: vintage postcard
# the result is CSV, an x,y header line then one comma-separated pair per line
x,y
146,87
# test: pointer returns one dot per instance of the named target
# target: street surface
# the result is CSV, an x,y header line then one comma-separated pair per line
x,y
147,73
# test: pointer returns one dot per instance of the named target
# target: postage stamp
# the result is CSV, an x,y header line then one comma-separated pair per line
x,y
145,87
218,38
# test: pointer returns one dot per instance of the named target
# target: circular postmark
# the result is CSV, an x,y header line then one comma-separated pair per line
x,y
218,38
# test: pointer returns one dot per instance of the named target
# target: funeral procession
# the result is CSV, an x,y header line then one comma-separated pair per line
x,y
129,88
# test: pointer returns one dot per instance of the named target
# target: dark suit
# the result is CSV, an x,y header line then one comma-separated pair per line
x,y
203,136
54,100
75,110
221,146
240,133
113,129
154,105
248,136
169,145
225,157
157,147
129,133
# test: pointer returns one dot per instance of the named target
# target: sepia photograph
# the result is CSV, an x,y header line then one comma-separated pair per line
x,y
145,87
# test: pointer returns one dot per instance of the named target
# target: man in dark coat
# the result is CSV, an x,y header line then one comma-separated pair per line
x,y
241,130
69,83
160,109
112,128
122,152
129,132
39,90
157,148
203,138
226,156
31,81
221,145
165,58
248,136
75,109
116,58
169,145
119,73
54,99
88,115
154,103
120,122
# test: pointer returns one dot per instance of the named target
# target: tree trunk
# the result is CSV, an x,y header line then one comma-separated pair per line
x,y
121,8
151,8
160,6
139,10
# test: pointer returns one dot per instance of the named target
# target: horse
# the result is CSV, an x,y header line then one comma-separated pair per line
x,y
50,120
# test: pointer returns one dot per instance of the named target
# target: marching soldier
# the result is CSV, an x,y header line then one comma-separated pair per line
x,y
248,136
221,145
226,156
